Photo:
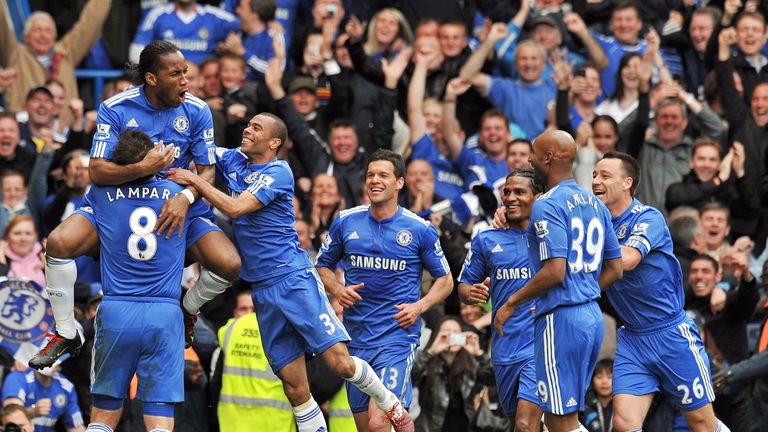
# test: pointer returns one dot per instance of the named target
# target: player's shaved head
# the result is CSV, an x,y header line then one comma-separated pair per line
x,y
552,157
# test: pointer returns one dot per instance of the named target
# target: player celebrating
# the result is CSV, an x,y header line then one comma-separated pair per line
x,y
291,305
181,124
383,248
503,255
659,346
573,255
139,322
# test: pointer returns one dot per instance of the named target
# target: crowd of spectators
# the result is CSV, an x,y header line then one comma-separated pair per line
x,y
460,88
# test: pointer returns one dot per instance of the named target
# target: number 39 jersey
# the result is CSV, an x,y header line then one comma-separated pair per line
x,y
570,222
135,261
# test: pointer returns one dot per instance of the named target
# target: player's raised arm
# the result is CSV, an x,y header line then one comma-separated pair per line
x,y
232,207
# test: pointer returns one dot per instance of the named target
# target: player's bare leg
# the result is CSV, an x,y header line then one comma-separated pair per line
x,y
373,420
296,388
563,423
629,411
704,420
72,238
528,417
361,375
102,419
158,423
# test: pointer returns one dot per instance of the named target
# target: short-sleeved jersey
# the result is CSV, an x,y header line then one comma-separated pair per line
x,y
134,260
285,14
265,239
477,167
569,222
258,51
502,255
189,127
526,104
651,294
388,257
196,34
61,392
448,182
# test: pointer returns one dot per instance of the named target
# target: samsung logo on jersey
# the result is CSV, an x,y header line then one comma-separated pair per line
x,y
513,273
580,199
449,177
138,193
377,263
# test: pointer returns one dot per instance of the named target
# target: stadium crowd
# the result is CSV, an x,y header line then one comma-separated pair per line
x,y
460,89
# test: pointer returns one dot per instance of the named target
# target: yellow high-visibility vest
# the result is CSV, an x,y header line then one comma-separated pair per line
x,y
252,397
340,417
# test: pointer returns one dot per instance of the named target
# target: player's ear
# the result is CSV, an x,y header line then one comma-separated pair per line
x,y
400,183
150,79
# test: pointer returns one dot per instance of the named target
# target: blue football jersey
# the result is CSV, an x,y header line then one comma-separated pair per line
x,y
448,182
569,222
652,293
189,127
196,34
502,255
285,14
258,52
61,392
135,261
265,239
388,257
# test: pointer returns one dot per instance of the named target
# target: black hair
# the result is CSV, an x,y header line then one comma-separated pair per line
x,y
265,9
604,365
618,93
527,173
388,155
149,60
706,257
279,129
630,166
132,146
608,119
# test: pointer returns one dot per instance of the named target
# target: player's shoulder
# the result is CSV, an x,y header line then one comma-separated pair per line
x,y
417,221
122,98
158,12
549,195
217,12
278,167
354,212
194,103
639,209
486,233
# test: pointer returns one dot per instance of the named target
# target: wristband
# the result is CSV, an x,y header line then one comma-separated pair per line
x,y
188,195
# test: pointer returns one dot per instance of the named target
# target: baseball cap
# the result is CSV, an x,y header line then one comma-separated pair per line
x,y
301,82
543,19
34,90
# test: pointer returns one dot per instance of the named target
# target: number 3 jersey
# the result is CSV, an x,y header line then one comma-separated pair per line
x,y
388,257
134,260
570,222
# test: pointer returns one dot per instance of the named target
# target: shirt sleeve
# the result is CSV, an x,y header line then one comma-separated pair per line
x,y
271,183
474,269
647,232
332,249
107,133
72,415
611,247
15,386
423,148
551,231
432,253
202,146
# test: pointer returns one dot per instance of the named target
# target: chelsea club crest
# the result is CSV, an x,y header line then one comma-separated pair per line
x,y
404,238
181,124
622,232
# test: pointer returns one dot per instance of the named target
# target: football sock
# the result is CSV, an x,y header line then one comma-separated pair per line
x,y
721,427
208,286
98,427
60,276
309,418
366,380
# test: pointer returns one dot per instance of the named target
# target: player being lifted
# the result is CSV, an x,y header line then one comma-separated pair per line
x,y
291,305
383,248
573,253
181,126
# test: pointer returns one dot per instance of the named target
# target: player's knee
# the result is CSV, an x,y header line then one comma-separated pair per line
x,y
523,424
623,423
296,395
56,245
232,267
342,365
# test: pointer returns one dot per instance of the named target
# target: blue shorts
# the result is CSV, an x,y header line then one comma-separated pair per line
x,y
198,224
393,363
144,336
295,317
672,359
516,381
566,345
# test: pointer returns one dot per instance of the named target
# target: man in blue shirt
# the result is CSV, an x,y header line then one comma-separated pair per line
x,y
573,253
294,314
195,29
139,324
502,256
383,248
659,347
48,397
181,126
